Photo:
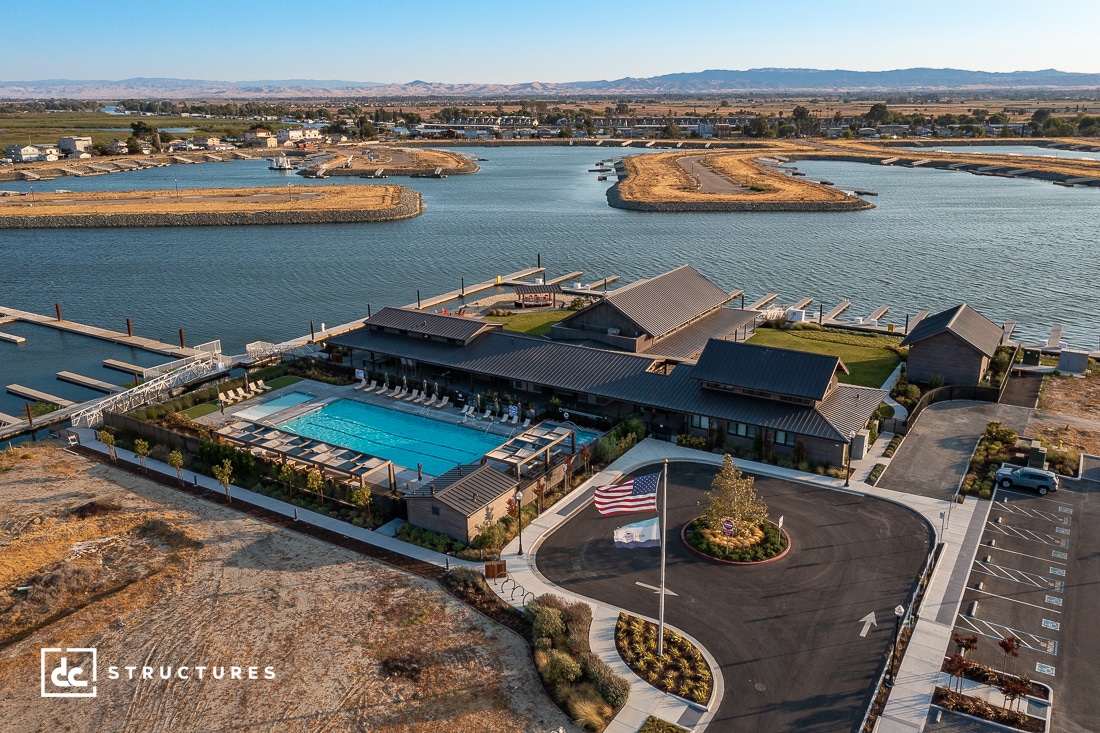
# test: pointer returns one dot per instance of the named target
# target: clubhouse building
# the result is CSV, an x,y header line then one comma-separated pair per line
x,y
669,349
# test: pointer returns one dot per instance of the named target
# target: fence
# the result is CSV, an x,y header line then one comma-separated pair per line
x,y
152,433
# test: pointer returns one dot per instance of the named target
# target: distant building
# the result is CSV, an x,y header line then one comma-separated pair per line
x,y
118,147
259,137
955,345
205,143
288,135
70,144
22,153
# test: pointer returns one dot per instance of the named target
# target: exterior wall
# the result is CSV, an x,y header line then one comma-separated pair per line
x,y
448,521
817,449
947,356
602,316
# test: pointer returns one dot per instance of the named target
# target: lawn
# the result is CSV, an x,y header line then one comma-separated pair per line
x,y
536,323
865,355
199,410
282,382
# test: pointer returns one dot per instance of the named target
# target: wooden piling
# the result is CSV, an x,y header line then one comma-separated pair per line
x,y
57,307
129,328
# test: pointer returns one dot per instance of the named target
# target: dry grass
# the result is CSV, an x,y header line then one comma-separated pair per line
x,y
205,201
1072,396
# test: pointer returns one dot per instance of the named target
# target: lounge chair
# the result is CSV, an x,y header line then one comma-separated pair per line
x,y
527,423
384,388
399,393
225,400
431,401
240,394
252,390
443,403
514,420
488,415
261,386
413,395
420,399
362,384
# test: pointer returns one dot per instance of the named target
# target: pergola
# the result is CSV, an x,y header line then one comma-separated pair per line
x,y
536,295
537,443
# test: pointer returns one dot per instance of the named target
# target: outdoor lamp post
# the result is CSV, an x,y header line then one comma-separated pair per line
x,y
519,519
891,673
848,470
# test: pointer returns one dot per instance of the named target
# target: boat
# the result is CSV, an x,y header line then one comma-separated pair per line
x,y
282,163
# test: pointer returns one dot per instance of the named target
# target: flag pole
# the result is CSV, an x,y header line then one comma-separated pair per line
x,y
664,526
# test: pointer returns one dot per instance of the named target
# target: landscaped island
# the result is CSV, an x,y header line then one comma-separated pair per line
x,y
210,207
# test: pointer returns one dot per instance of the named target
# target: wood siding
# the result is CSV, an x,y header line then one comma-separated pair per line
x,y
947,356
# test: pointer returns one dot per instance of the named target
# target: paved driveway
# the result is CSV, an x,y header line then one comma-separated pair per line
x,y
787,633
934,455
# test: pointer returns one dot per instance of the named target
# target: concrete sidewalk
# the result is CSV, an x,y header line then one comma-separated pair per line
x,y
959,528
88,439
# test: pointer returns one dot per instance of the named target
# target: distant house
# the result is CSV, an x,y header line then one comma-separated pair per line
x,y
289,135
22,153
955,345
118,147
206,143
70,144
259,137
461,500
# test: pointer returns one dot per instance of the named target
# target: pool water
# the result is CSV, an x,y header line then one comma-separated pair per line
x,y
403,438
272,406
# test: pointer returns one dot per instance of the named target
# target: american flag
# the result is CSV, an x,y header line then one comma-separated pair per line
x,y
637,495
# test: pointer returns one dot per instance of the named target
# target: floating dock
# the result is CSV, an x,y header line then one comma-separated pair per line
x,y
565,278
9,419
12,338
97,385
104,334
878,313
921,315
760,303
33,394
1055,338
801,304
501,281
122,366
836,310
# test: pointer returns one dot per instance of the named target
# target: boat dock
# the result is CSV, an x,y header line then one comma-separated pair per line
x,y
104,334
89,383
877,313
564,278
836,310
801,304
760,303
122,366
9,419
1055,338
12,338
1008,328
910,325
501,281
33,394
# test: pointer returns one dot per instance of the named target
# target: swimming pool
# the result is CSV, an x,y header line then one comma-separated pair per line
x,y
403,438
272,406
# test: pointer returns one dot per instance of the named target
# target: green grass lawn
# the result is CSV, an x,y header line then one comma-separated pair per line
x,y
282,381
46,127
865,355
536,323
199,410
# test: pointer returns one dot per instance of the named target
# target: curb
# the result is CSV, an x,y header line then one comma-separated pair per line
x,y
700,553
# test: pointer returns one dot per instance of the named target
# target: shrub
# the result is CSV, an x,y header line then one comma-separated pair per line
x,y
546,621
612,688
560,668
427,539
892,446
691,441
872,434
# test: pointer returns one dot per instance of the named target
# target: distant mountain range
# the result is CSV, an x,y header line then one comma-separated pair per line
x,y
701,82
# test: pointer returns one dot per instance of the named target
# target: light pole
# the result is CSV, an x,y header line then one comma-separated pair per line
x,y
32,195
519,519
891,674
848,470
177,188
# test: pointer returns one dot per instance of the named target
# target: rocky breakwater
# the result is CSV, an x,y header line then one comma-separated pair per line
x,y
404,205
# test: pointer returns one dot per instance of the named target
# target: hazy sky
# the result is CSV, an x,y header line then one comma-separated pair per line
x,y
551,41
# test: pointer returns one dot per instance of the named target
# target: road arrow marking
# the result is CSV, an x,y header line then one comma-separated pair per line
x,y
868,621
655,589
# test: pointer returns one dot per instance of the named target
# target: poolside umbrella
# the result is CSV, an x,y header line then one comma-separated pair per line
x,y
405,382
479,402
436,385
424,390
393,477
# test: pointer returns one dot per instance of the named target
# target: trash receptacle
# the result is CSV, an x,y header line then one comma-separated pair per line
x,y
460,400
496,569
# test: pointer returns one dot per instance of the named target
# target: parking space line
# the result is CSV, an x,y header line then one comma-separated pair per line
x,y
1010,531
1028,511
1022,603
1029,496
1056,553
1000,631
1000,571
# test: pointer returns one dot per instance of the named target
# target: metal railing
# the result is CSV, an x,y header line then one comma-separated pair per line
x,y
196,367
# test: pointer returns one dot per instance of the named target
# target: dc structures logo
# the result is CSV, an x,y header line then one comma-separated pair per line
x,y
69,672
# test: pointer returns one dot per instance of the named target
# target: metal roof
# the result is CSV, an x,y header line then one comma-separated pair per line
x,y
429,324
664,303
688,342
467,489
766,368
624,377
963,322
536,289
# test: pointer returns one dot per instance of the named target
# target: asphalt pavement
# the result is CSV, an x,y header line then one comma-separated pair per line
x,y
787,634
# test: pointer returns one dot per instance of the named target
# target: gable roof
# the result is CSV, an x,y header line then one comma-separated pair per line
x,y
418,323
664,303
964,323
766,368
467,489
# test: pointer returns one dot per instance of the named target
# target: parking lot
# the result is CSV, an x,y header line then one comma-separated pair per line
x,y
1037,577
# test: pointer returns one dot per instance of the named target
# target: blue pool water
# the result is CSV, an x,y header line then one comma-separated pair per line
x,y
400,437
272,406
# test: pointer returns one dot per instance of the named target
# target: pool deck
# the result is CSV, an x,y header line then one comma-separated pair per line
x,y
324,394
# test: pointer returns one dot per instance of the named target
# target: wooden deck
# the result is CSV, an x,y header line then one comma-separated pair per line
x,y
9,419
1009,327
836,310
11,338
28,393
1055,337
500,281
801,304
878,313
97,385
104,334
761,302
122,366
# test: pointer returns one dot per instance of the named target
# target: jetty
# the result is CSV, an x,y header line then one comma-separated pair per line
x,y
12,338
1055,338
1008,328
28,393
122,366
564,278
515,278
761,302
911,324
97,385
9,419
836,310
103,334
877,313
801,303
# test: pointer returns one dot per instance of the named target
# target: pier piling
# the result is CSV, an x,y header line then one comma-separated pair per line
x,y
418,299
183,342
312,333
463,288
129,328
57,307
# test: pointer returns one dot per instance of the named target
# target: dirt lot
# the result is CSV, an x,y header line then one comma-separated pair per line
x,y
157,578
1073,396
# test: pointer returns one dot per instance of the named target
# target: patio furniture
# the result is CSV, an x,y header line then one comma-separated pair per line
x,y
488,415
431,401
413,396
443,403
419,399
384,388
261,386
527,423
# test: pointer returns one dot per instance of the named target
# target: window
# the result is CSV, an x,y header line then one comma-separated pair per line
x,y
703,423
742,430
782,437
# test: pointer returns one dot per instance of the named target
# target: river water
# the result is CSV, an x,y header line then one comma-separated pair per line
x,y
1015,249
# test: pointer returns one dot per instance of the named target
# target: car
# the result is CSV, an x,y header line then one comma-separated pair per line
x,y
1027,478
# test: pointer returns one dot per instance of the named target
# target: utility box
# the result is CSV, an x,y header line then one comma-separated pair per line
x,y
1073,362
1031,357
860,444
1037,456
796,316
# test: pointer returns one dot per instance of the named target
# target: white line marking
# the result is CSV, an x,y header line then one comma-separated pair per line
x,y
1033,557
1023,603
654,588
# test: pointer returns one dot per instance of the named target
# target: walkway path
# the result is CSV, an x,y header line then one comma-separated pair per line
x,y
710,180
